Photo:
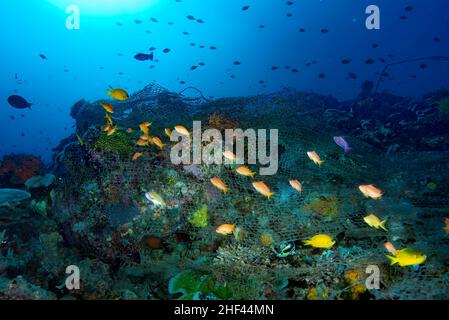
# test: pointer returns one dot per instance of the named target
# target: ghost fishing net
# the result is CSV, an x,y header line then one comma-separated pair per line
x,y
101,199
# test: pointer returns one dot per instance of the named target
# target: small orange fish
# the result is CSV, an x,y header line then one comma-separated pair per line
x,y
136,156
142,143
111,130
225,229
144,127
262,188
245,171
130,130
168,132
106,127
108,107
217,182
389,246
315,157
446,228
144,137
109,118
182,130
370,191
158,142
296,185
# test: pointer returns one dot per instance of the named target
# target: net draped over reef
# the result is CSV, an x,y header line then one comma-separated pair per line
x,y
133,249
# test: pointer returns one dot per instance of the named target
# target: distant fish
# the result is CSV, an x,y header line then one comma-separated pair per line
x,y
154,20
199,21
345,61
324,31
43,57
190,17
144,56
18,102
245,8
166,50
341,142
315,157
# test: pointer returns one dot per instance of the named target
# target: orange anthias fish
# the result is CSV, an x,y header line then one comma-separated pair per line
x,y
158,142
108,107
389,246
136,156
315,157
245,171
111,131
262,188
230,155
168,132
446,228
144,137
296,185
217,182
142,143
182,130
144,127
106,127
370,191
109,118
225,229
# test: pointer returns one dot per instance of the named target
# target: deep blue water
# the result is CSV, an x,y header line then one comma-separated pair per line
x,y
83,63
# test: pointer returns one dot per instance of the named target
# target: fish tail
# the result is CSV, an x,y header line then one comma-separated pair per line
x,y
320,162
348,149
382,225
270,194
306,242
393,260
225,190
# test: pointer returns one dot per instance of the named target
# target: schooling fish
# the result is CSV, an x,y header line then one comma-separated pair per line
x,y
182,130
225,229
370,191
18,102
118,94
155,198
108,108
217,182
320,241
315,157
158,142
342,143
407,257
245,171
263,189
144,56
296,185
375,222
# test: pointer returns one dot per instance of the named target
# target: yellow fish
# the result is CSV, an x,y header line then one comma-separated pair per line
x,y
245,171
315,157
142,143
262,188
374,221
217,182
158,142
118,94
407,257
108,107
320,241
296,185
225,229
111,131
109,118
370,191
168,132
182,130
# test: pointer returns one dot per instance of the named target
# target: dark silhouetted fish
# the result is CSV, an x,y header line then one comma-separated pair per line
x,y
324,30
137,21
245,8
154,20
166,50
213,48
193,67
236,63
408,8
369,61
352,75
321,76
289,3
345,61
199,21
18,102
42,56
302,30
144,56
289,15
191,17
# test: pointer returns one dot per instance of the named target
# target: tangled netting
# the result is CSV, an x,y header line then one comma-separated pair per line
x,y
103,189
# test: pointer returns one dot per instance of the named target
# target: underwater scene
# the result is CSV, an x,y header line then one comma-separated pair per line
x,y
224,150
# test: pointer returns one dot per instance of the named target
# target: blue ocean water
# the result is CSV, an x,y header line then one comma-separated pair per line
x,y
83,63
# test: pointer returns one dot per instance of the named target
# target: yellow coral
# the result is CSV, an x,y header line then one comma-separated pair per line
x,y
266,239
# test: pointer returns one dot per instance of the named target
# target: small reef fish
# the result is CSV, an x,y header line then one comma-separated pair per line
x,y
106,127
217,182
315,157
284,249
108,108
118,94
158,142
375,222
407,257
111,131
109,118
225,229
182,130
155,198
370,191
168,132
229,155
142,143
446,228
144,137
390,247
144,127
262,188
296,185
320,241
245,171
19,102
136,156
80,141
342,143
130,130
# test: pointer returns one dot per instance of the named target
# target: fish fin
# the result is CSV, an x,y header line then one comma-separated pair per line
x,y
394,260
348,149
270,195
382,225
306,242
225,190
